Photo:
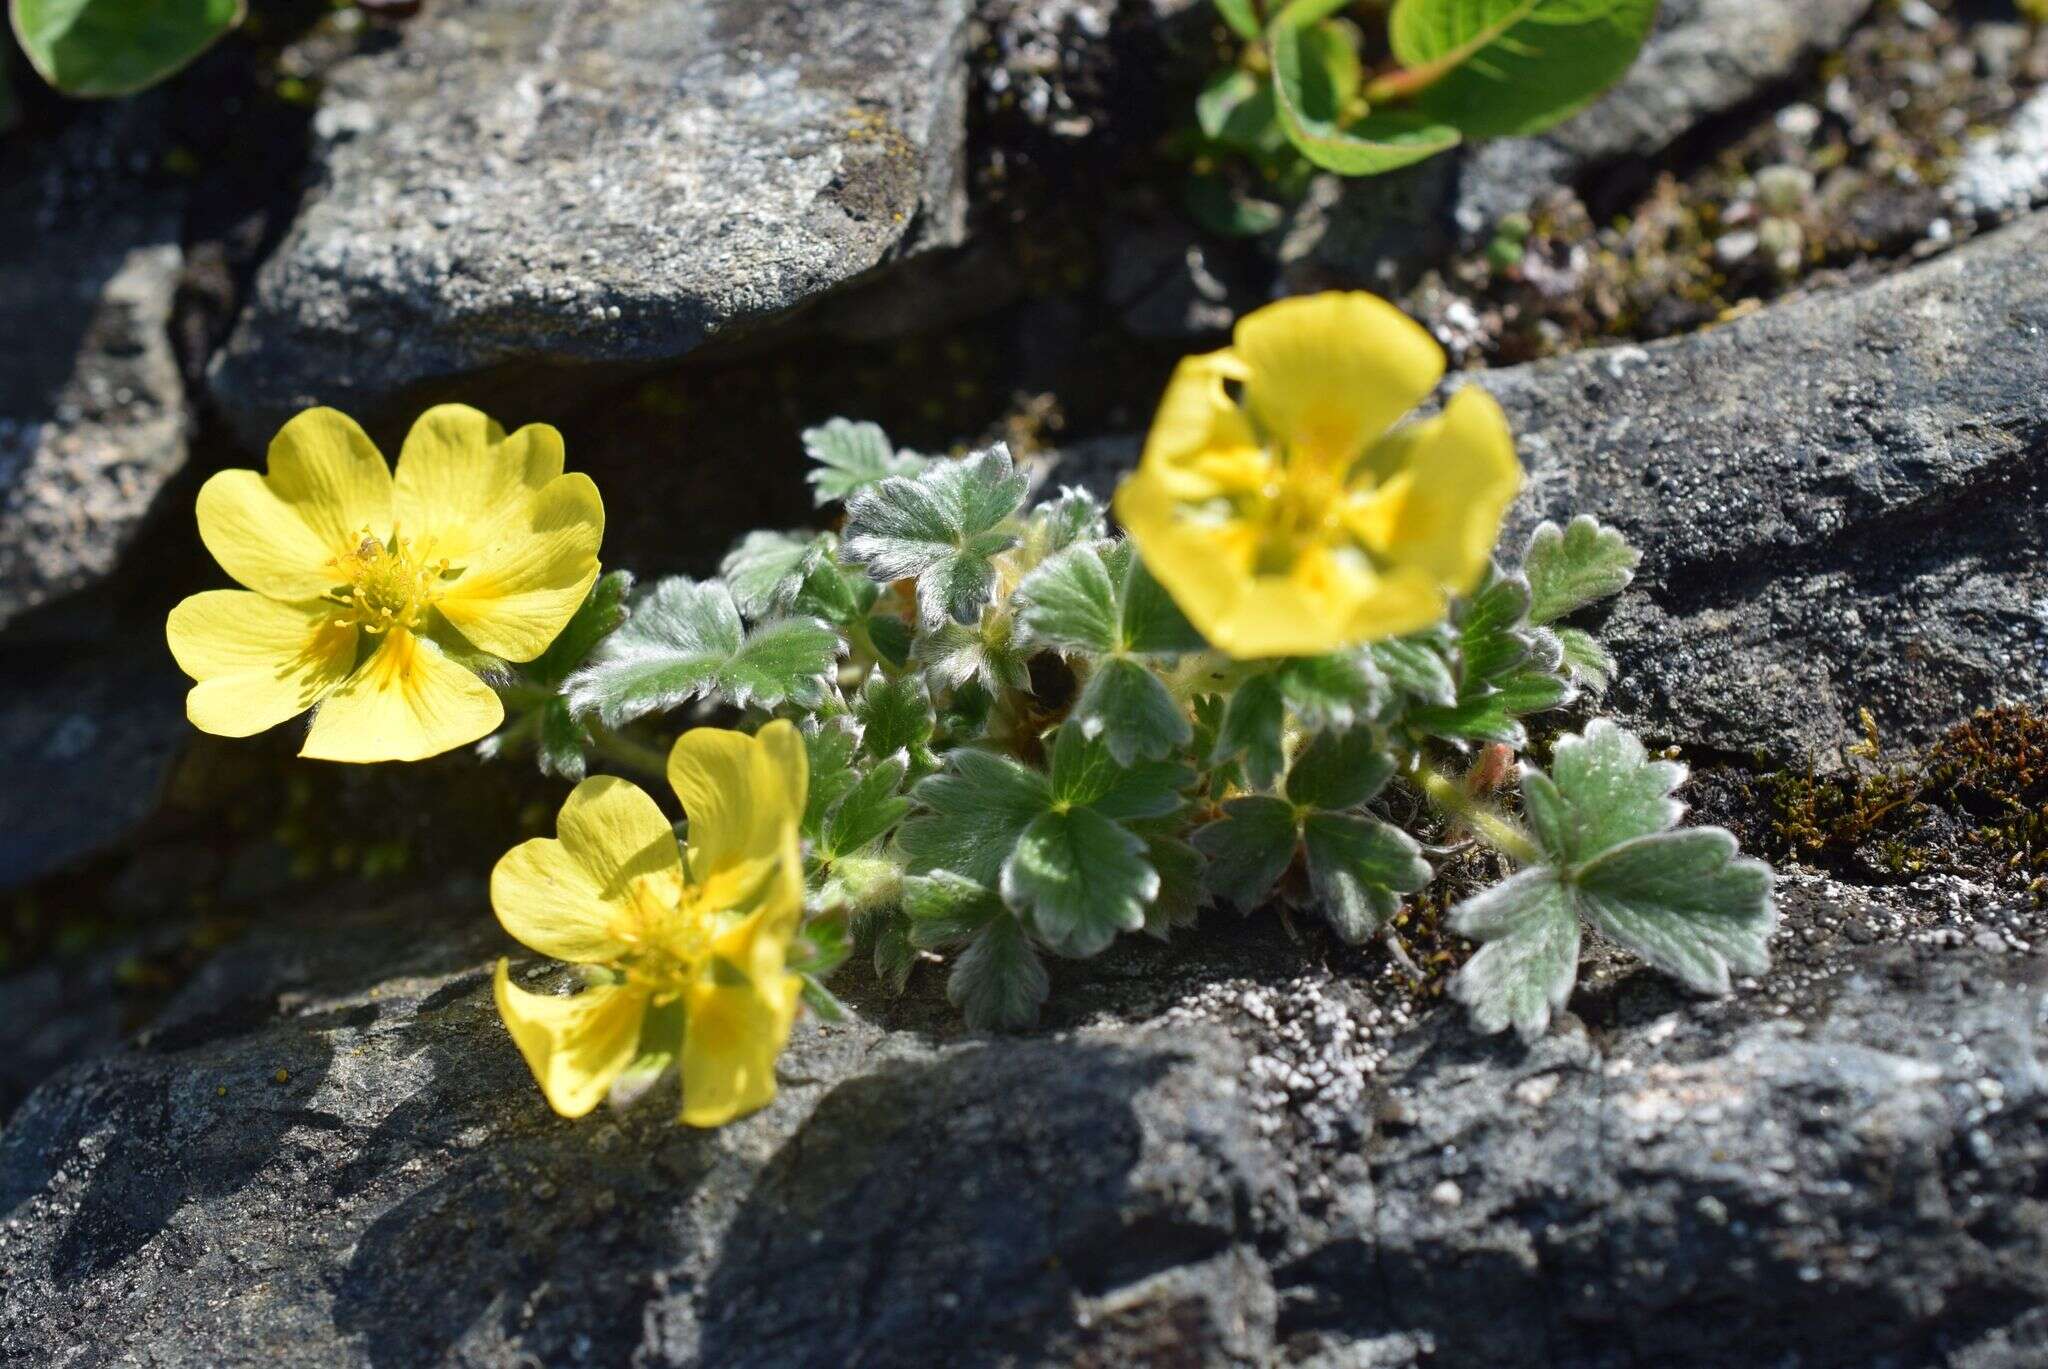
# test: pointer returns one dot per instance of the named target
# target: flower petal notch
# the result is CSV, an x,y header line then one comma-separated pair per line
x,y
373,599
1288,503
685,948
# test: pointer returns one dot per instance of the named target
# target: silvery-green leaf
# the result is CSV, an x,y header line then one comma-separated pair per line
x,y
1332,691
1129,708
1417,668
1524,971
766,569
943,527
1573,566
852,456
1602,789
829,747
1358,868
894,715
1339,770
1074,516
985,654
1489,644
1078,878
1070,602
1686,903
867,810
685,640
1247,849
1152,624
1085,775
948,910
1253,727
1483,717
561,742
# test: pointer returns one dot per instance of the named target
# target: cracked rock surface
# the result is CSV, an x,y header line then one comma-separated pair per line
x,y
518,185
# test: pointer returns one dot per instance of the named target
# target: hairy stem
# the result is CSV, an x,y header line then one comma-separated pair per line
x,y
626,753
1486,822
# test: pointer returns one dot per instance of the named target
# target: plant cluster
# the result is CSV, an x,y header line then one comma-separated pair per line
x,y
965,727
1304,93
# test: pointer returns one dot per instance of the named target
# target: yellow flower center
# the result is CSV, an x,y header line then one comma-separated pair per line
x,y
385,584
670,924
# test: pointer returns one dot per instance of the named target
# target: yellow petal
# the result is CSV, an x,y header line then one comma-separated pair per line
x,y
575,1046
739,1016
405,703
523,535
276,532
1327,374
615,864
1196,416
1461,476
517,594
743,795
257,661
1205,568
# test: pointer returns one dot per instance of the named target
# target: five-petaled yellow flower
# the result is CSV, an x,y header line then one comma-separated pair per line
x,y
359,576
690,943
1295,517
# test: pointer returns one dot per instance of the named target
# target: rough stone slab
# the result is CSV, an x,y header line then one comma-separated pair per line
x,y
93,414
1842,503
327,1143
520,183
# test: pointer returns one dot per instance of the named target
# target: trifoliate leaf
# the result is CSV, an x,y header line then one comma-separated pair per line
x,y
1332,691
1415,667
684,641
601,612
1084,774
1253,727
1525,970
1339,770
866,811
999,982
1358,868
852,456
1685,902
895,715
1586,660
1571,567
1103,601
1602,790
1078,879
986,654
1248,849
1130,709
829,746
976,809
1517,66
944,527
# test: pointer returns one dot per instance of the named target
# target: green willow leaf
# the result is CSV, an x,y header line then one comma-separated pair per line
x,y
1515,67
1303,91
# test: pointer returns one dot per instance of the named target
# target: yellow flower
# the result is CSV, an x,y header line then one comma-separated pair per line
x,y
1295,517
356,577
691,943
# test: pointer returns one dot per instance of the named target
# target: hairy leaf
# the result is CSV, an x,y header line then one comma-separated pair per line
x,y
985,654
1248,849
1085,775
1686,903
1339,770
1417,668
1128,707
1602,790
829,747
867,810
948,910
894,715
977,808
601,611
852,456
1079,878
1586,660
1571,567
1358,868
1525,970
944,527
999,982
685,640
1253,728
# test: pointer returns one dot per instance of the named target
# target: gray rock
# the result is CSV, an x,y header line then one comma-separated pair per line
x,y
1705,58
1222,1152
1841,504
516,186
93,414
2006,172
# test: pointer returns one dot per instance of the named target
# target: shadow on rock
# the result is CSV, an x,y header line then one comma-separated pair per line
x,y
948,1212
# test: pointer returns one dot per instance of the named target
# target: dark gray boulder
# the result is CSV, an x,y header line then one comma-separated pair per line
x,y
93,415
516,184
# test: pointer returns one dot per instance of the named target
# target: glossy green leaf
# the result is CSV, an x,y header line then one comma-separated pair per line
x,y
99,48
1305,94
1516,67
